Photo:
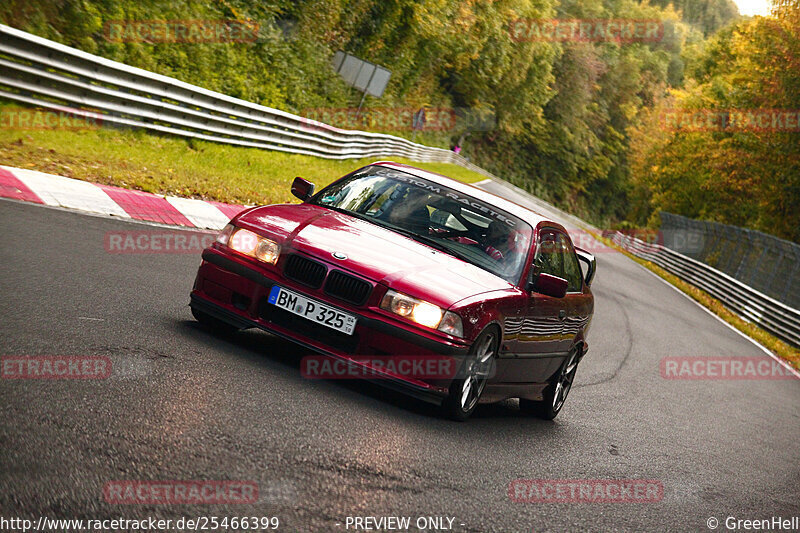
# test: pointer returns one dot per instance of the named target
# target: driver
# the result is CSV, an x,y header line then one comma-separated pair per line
x,y
412,212
496,244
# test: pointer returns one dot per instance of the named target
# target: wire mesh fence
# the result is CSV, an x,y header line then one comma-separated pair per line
x,y
766,263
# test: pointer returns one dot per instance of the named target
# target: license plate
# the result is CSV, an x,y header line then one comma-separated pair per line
x,y
312,310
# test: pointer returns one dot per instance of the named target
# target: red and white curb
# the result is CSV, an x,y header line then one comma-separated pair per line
x,y
59,191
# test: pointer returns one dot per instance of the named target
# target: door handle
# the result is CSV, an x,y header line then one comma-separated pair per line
x,y
562,314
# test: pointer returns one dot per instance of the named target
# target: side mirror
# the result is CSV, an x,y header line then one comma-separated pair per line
x,y
549,285
301,188
591,265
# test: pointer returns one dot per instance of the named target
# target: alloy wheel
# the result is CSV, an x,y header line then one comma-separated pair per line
x,y
477,373
564,383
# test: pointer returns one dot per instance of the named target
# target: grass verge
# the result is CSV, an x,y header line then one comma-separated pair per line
x,y
766,339
178,167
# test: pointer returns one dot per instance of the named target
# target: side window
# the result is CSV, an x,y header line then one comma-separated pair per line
x,y
548,258
572,269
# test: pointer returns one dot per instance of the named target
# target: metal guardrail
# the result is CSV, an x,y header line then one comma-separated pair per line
x,y
47,74
750,304
759,260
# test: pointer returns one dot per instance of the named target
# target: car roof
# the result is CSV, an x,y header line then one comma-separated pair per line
x,y
531,217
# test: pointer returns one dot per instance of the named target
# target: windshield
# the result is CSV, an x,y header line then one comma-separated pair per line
x,y
459,225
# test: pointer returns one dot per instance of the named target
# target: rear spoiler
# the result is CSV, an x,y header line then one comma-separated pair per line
x,y
591,264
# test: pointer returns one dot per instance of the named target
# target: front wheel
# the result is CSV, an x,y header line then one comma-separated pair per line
x,y
477,368
555,394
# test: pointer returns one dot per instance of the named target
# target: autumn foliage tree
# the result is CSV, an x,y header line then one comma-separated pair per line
x,y
747,176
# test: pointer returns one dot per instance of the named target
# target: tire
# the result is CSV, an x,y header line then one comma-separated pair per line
x,y
555,394
477,368
212,323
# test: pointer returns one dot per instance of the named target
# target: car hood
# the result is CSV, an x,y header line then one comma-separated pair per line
x,y
373,252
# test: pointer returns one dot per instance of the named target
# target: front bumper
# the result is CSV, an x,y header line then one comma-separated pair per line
x,y
235,292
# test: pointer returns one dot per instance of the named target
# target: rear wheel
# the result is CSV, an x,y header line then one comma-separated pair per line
x,y
465,392
213,323
555,394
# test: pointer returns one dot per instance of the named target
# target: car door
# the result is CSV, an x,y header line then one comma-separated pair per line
x,y
577,303
538,350
542,329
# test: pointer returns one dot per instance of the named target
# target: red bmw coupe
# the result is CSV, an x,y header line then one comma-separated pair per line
x,y
393,261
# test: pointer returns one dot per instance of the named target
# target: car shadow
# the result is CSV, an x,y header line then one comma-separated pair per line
x,y
285,356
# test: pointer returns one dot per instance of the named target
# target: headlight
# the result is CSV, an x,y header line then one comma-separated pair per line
x,y
422,312
248,243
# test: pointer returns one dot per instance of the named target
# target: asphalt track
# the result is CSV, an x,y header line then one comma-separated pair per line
x,y
184,404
